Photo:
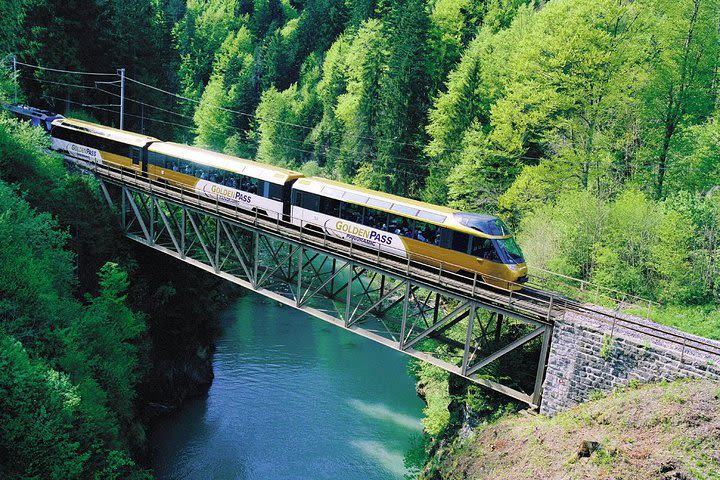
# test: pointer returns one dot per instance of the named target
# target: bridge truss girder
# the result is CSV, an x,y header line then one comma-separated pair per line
x,y
464,336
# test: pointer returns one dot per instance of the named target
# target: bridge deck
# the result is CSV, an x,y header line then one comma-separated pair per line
x,y
402,302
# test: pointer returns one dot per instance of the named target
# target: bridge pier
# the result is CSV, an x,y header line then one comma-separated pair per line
x,y
589,356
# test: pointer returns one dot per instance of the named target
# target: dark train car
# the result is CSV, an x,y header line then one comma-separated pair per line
x,y
36,116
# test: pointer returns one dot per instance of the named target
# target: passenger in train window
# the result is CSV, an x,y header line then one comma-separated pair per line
x,y
431,233
374,218
352,213
484,248
245,183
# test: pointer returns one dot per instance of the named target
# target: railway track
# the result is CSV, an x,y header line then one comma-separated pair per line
x,y
531,303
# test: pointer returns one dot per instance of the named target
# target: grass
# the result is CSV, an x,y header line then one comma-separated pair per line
x,y
698,320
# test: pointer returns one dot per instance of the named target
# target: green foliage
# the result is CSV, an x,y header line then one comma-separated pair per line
x,y
661,250
702,320
70,369
607,348
597,395
45,431
435,386
281,142
230,87
198,35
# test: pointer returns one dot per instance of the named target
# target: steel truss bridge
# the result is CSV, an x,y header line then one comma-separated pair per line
x,y
496,338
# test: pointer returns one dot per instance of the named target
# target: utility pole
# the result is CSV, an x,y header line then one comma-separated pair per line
x,y
15,77
121,72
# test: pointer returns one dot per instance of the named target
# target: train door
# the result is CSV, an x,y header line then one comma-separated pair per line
x,y
144,161
287,204
135,157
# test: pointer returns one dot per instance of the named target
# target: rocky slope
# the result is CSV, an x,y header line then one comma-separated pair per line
x,y
660,431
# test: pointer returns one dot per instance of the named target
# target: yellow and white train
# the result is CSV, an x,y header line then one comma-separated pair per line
x,y
429,234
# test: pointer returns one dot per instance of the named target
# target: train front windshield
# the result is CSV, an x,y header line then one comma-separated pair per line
x,y
509,250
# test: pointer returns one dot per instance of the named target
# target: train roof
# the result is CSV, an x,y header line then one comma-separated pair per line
x,y
31,111
250,168
123,136
471,223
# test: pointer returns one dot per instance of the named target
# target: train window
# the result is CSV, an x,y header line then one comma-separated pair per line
x,y
400,225
484,248
110,146
155,158
329,206
425,232
445,238
74,137
310,201
185,167
351,212
135,155
173,163
234,181
68,135
61,133
376,202
201,172
404,210
250,184
376,219
460,242
332,193
276,191
97,142
433,217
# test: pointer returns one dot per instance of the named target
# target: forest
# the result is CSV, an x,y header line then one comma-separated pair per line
x,y
591,126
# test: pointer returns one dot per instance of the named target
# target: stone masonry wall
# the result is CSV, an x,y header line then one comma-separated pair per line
x,y
588,356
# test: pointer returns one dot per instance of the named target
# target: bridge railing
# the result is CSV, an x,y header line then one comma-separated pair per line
x,y
485,288
585,291
429,270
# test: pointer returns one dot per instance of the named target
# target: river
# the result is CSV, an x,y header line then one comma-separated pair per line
x,y
293,398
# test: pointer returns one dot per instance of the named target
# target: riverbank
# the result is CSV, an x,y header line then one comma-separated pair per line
x,y
183,305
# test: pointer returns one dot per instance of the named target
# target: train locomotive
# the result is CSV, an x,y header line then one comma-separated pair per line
x,y
466,243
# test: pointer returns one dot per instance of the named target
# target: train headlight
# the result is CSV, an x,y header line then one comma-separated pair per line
x,y
513,267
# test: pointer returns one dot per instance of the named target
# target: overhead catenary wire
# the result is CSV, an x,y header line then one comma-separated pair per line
x,y
408,161
148,118
59,70
373,157
63,84
418,162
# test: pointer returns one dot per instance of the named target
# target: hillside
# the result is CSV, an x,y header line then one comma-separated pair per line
x,y
660,431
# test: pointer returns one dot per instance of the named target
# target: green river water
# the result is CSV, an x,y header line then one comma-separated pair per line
x,y
293,398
